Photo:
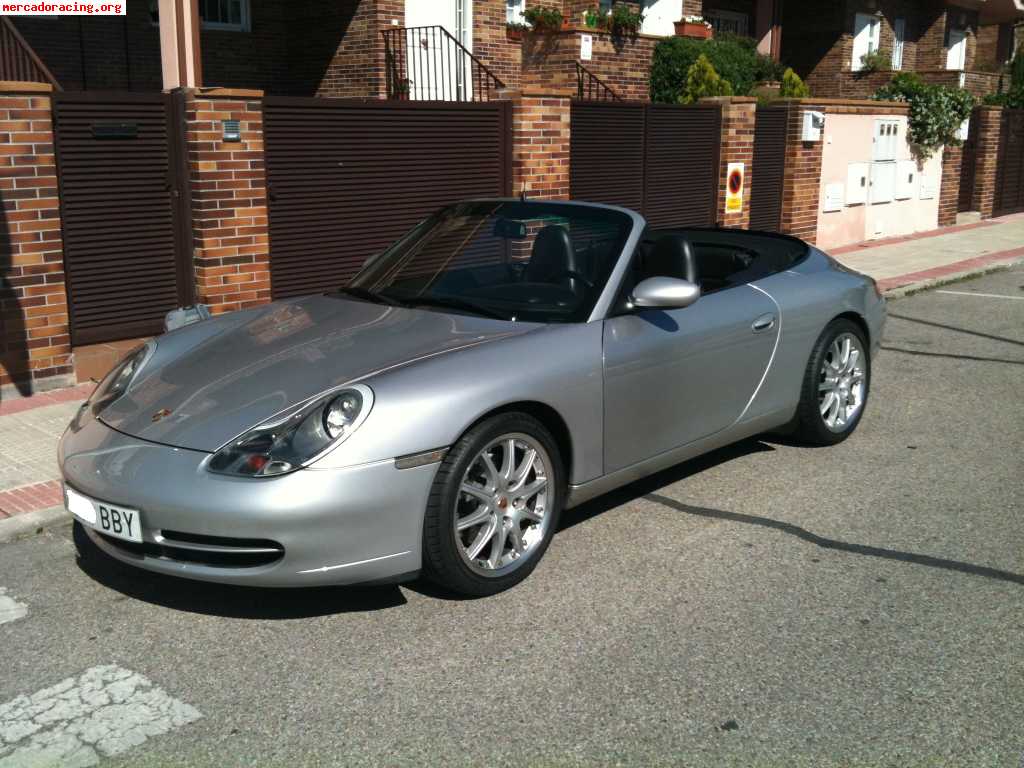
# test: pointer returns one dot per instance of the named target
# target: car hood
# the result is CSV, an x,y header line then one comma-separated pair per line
x,y
211,381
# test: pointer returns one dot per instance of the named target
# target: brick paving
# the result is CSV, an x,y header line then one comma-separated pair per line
x,y
28,498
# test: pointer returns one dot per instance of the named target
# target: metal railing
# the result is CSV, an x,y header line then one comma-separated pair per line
x,y
589,87
429,64
17,59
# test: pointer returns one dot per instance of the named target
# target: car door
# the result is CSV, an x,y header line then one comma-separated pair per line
x,y
674,376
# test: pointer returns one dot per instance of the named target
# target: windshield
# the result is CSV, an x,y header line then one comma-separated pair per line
x,y
529,261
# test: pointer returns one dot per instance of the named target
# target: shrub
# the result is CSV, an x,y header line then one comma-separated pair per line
x,y
936,111
792,86
543,18
734,58
904,86
702,80
1014,96
876,61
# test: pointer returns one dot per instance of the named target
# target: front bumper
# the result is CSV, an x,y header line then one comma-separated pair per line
x,y
336,526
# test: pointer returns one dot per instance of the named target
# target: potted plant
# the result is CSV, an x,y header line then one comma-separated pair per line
x,y
594,19
544,19
694,26
624,21
514,31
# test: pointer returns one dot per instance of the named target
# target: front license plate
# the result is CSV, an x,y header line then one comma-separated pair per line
x,y
116,521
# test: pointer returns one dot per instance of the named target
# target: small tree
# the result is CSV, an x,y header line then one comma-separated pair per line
x,y
792,86
702,80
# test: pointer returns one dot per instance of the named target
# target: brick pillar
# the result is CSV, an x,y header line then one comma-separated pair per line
x,y
231,247
802,178
35,343
540,144
949,192
738,117
987,121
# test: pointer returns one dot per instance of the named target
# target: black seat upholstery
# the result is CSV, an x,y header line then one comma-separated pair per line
x,y
552,255
671,256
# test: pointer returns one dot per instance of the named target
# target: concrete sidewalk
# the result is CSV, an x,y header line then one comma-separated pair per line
x,y
906,264
30,491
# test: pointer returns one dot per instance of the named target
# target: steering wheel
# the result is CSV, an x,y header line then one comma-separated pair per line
x,y
573,274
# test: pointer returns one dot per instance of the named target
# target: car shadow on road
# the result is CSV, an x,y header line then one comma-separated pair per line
x,y
841,546
967,331
227,600
647,485
951,356
648,488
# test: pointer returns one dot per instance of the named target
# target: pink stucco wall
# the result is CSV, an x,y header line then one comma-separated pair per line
x,y
848,138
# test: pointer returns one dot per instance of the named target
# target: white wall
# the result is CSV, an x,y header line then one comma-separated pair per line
x,y
848,138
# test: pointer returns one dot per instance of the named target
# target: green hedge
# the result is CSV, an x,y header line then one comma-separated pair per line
x,y
734,58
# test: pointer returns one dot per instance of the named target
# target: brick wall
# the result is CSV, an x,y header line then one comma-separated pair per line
x,y
739,116
949,192
35,345
229,200
540,144
491,44
123,53
624,65
987,122
356,63
817,41
801,179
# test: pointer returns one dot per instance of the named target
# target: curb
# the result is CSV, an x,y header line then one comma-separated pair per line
x,y
910,289
32,523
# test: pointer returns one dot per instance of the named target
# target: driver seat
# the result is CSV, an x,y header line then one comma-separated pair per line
x,y
551,257
671,256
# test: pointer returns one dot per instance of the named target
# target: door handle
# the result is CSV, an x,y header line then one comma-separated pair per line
x,y
763,323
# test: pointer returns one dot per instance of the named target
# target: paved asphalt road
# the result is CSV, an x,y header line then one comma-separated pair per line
x,y
769,605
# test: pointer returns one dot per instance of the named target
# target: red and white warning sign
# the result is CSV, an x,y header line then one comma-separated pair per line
x,y
734,188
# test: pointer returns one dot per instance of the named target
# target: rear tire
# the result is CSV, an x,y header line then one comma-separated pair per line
x,y
836,385
494,506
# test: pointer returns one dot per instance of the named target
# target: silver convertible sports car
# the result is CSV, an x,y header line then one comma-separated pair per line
x,y
503,361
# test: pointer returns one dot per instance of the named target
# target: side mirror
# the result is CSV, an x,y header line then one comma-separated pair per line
x,y
664,293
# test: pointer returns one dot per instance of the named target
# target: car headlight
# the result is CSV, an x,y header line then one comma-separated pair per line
x,y
114,384
298,438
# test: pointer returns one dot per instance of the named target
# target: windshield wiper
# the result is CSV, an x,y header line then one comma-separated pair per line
x,y
452,302
376,298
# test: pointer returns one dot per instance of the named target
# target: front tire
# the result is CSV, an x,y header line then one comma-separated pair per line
x,y
494,506
836,385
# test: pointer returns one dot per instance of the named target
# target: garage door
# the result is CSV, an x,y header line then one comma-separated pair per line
x,y
124,205
346,178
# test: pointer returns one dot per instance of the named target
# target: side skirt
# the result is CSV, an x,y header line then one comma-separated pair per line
x,y
601,485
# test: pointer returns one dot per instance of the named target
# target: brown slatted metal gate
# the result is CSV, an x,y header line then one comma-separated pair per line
x,y
1009,197
345,178
664,162
124,206
769,168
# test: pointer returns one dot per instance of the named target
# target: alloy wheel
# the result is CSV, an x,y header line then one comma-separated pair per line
x,y
501,510
841,386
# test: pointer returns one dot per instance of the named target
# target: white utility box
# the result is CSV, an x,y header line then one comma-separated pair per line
x,y
857,184
812,125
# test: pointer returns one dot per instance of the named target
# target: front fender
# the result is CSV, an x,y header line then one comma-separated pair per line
x,y
431,403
